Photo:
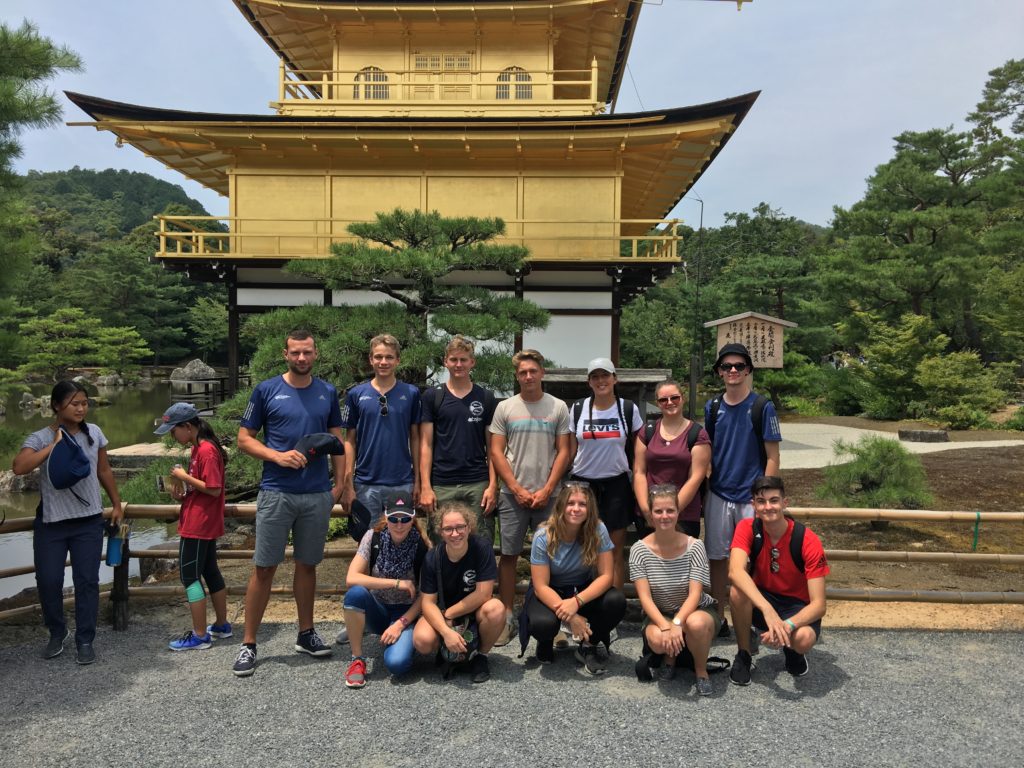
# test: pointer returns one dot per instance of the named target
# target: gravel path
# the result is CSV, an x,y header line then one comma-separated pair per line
x,y
871,698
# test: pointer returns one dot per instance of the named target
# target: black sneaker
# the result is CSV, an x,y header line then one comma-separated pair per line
x,y
723,628
741,666
588,656
55,647
310,642
643,668
86,655
245,663
479,669
796,663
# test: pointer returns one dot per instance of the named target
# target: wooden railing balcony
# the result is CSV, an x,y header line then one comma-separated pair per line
x,y
422,92
609,241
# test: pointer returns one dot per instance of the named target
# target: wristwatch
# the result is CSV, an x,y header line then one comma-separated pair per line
x,y
677,621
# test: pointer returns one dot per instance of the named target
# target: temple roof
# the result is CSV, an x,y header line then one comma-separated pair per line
x,y
661,153
299,31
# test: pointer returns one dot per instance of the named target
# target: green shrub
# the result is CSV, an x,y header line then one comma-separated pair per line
x,y
1015,422
805,406
875,472
844,391
963,416
141,487
337,528
958,380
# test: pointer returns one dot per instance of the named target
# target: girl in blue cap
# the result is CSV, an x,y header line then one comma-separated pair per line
x,y
200,523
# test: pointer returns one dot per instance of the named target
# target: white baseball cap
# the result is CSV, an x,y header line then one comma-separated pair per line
x,y
600,364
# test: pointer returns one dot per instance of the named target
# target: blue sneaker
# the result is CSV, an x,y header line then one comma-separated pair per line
x,y
190,641
220,631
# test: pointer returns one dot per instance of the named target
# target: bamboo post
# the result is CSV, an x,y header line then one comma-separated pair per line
x,y
280,79
593,80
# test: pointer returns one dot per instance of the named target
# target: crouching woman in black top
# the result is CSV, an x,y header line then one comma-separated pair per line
x,y
571,571
457,584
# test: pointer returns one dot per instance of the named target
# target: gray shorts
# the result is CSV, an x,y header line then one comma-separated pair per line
x,y
304,515
470,494
720,518
515,519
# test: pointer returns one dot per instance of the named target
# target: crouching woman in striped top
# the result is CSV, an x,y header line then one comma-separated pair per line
x,y
670,571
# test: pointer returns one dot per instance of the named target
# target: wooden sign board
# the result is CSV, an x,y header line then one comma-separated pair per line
x,y
762,335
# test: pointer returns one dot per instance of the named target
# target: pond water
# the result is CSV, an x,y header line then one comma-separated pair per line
x,y
126,421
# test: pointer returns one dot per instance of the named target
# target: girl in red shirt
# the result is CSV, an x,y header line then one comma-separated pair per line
x,y
200,524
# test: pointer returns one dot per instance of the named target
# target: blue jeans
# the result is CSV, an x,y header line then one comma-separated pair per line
x,y
51,544
398,656
372,497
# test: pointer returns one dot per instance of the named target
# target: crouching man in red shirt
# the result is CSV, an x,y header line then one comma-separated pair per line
x,y
777,568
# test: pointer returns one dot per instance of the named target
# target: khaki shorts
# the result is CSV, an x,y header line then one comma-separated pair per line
x,y
720,518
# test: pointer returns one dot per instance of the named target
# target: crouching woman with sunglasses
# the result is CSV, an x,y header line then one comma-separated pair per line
x,y
382,594
456,586
571,569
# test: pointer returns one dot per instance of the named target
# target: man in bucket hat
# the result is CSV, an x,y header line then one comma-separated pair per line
x,y
744,432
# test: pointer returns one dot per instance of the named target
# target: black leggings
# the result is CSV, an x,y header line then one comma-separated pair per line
x,y
198,557
603,613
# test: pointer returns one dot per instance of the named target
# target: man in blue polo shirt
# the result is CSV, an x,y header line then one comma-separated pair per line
x,y
454,441
382,433
745,436
296,494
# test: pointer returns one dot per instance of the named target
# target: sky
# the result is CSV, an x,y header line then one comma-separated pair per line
x,y
838,80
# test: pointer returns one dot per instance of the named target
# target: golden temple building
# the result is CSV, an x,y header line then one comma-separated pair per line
x,y
466,107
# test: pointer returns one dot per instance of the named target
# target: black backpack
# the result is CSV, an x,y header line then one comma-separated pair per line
x,y
692,435
756,419
796,544
626,410
438,398
421,553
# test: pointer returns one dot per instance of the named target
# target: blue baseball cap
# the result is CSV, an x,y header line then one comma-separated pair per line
x,y
177,414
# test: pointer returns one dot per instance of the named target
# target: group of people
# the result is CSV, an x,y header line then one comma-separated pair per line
x,y
576,476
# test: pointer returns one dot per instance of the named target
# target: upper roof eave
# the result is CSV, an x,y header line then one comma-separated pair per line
x,y
321,7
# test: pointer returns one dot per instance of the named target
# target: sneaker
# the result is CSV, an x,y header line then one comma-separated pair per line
x,y
507,633
342,638
561,640
479,669
220,631
355,677
741,666
591,660
86,655
245,663
190,641
796,663
545,653
613,636
643,668
723,628
704,686
310,642
667,672
55,647
755,641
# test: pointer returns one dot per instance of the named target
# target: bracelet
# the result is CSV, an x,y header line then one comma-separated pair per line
x,y
398,583
404,621
579,602
792,626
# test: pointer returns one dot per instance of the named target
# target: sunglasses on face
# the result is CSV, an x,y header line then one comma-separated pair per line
x,y
382,401
400,518
669,399
738,367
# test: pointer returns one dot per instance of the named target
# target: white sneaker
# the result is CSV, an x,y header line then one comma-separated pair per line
x,y
342,636
561,639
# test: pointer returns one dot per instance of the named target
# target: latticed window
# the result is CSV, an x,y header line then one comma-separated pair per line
x,y
521,78
371,83
442,75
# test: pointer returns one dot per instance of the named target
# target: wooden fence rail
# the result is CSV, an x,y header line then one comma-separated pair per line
x,y
121,590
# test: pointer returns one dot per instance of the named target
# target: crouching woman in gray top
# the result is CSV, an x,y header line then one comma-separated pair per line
x,y
69,519
670,571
